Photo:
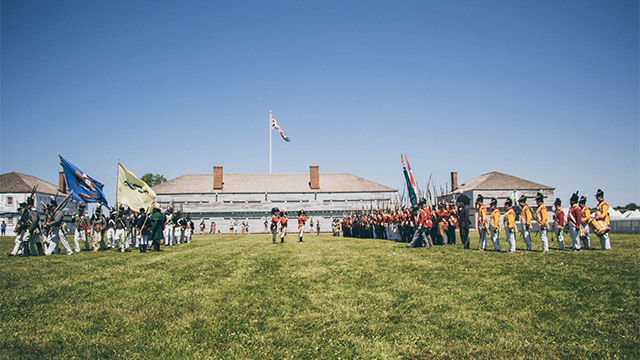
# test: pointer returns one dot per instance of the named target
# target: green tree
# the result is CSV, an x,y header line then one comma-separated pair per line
x,y
153,179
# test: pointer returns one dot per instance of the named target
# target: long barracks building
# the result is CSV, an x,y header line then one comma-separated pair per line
x,y
222,197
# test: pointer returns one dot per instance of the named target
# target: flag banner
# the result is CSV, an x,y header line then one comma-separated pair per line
x,y
275,126
132,191
84,188
411,185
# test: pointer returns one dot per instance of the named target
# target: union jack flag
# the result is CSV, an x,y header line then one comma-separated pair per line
x,y
275,126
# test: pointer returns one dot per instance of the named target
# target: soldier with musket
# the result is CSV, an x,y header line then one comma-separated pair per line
x,y
482,221
53,230
494,224
98,223
142,228
543,219
275,219
302,219
20,230
423,224
82,228
525,219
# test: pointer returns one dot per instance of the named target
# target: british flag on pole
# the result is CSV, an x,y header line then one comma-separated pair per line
x,y
275,126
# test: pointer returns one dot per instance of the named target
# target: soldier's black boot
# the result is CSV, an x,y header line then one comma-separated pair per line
x,y
40,252
26,251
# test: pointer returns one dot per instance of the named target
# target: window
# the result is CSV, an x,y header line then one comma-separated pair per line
x,y
9,200
10,220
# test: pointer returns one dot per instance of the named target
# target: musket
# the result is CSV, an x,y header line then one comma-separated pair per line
x,y
60,206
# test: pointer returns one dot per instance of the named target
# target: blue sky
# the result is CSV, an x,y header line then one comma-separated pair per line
x,y
545,90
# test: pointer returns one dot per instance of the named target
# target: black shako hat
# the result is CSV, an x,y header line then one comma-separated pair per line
x,y
574,198
523,199
583,200
600,193
558,202
539,197
480,198
464,199
494,202
508,202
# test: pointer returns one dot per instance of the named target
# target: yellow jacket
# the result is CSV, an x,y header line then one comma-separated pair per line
x,y
495,219
543,218
482,215
527,216
586,214
510,220
603,212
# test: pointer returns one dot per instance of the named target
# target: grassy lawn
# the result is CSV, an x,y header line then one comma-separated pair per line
x,y
227,297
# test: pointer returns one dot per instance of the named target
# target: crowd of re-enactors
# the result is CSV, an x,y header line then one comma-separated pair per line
x,y
426,225
123,230
422,225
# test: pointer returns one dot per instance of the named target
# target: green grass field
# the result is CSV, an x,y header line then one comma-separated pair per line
x,y
240,297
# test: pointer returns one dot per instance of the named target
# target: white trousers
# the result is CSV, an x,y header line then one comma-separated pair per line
x,y
605,243
187,235
560,236
283,232
111,235
511,238
80,235
17,241
51,241
169,236
483,238
545,240
526,235
495,237
586,242
575,236
120,239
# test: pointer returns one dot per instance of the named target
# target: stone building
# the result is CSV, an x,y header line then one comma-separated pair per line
x,y
501,186
223,197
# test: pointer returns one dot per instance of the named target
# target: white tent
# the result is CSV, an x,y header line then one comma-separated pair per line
x,y
632,215
615,214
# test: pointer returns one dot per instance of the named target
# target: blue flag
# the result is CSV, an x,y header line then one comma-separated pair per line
x,y
84,187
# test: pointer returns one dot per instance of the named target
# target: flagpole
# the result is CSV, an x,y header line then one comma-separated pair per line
x,y
270,132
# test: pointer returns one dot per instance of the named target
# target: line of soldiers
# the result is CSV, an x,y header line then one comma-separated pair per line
x,y
427,226
123,229
439,223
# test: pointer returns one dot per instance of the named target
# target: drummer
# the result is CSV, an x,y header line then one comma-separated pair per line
x,y
603,214
586,217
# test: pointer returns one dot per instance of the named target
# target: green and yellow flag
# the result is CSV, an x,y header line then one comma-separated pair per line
x,y
132,191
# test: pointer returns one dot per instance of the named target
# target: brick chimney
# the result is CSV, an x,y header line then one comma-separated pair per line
x,y
217,178
62,184
314,182
454,180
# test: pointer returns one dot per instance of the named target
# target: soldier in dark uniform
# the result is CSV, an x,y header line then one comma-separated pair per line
x,y
157,226
53,230
82,226
463,219
142,227
20,230
98,223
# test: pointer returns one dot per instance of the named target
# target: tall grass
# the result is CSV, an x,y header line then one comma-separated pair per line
x,y
227,297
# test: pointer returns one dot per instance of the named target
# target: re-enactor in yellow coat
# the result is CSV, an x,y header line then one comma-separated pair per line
x,y
494,224
482,221
526,218
603,214
509,221
586,217
543,219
